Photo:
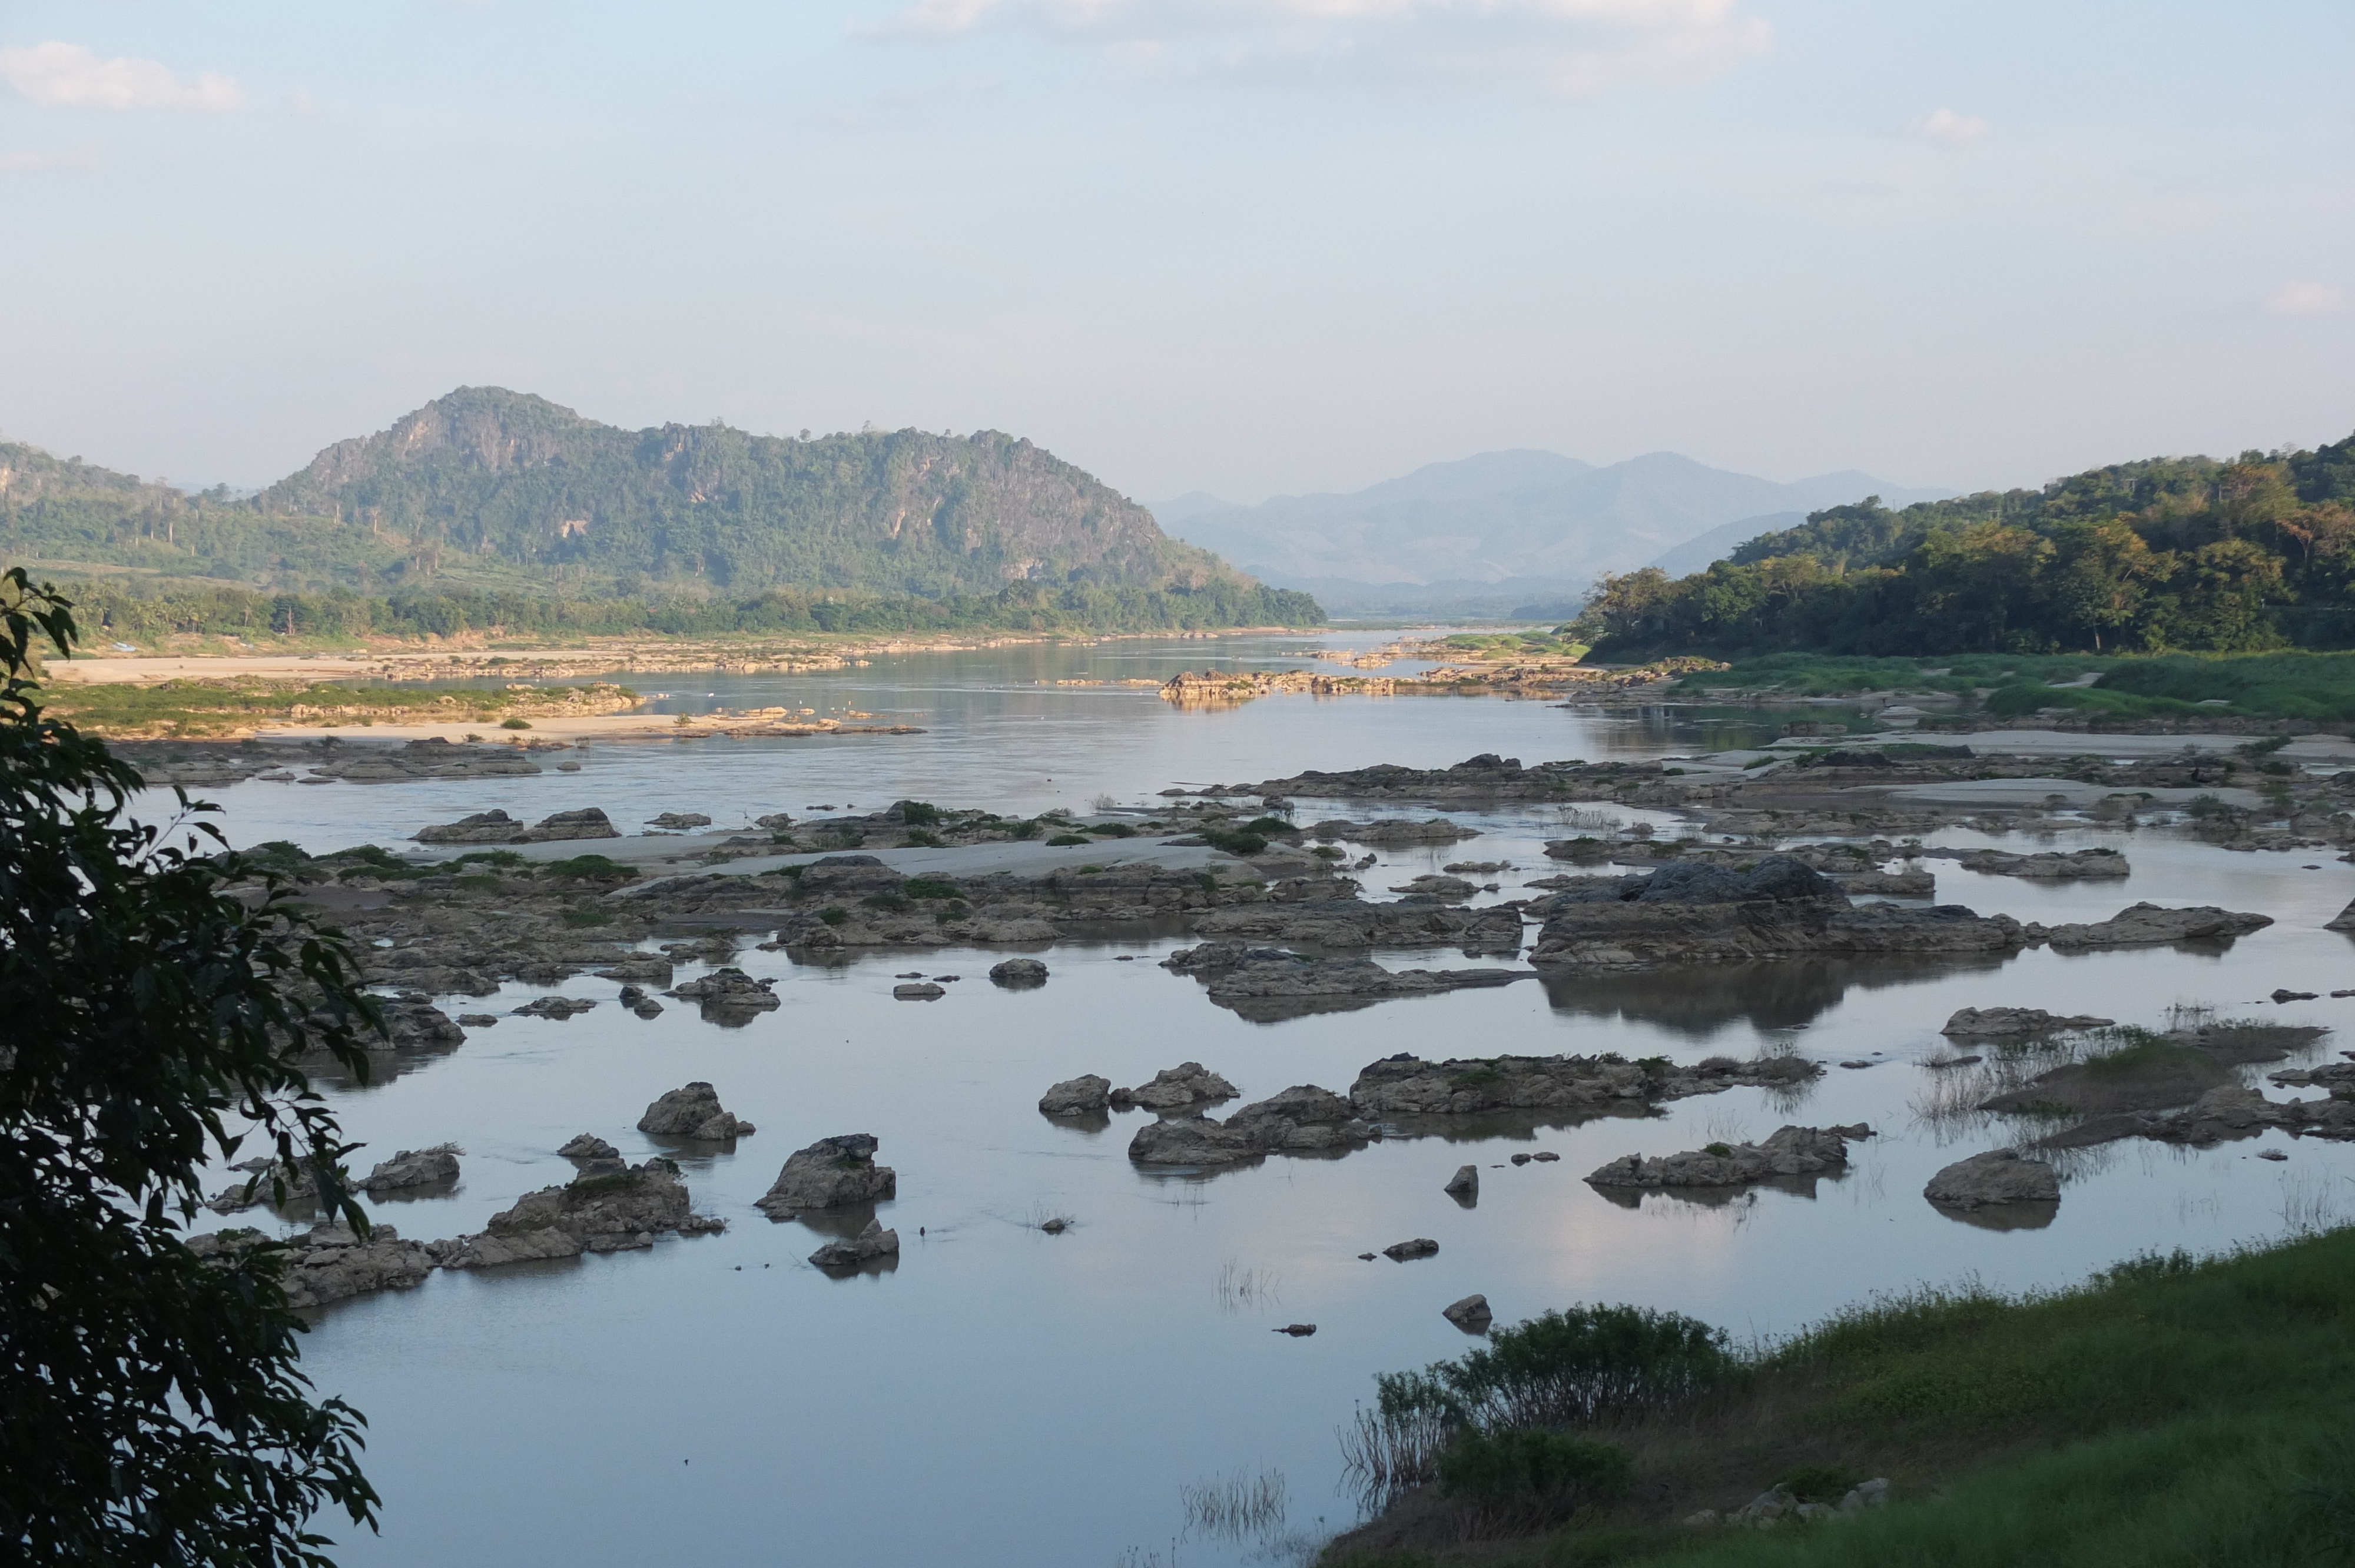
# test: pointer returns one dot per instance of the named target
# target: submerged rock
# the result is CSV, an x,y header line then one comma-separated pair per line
x,y
1077,1097
872,1242
414,1168
1186,1084
1790,1152
1993,1022
1998,1176
693,1111
827,1174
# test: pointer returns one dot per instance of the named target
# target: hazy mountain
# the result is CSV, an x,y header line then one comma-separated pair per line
x,y
1695,554
1533,523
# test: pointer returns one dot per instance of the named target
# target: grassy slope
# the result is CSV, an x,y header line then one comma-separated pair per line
x,y
2171,1411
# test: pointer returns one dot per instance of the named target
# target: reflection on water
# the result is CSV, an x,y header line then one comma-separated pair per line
x,y
1051,1399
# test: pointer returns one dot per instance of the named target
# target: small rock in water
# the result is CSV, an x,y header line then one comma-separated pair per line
x,y
2271,1154
1858,1063
917,991
1016,974
1056,1226
2282,994
1406,1251
477,1019
557,1007
874,1242
1077,1097
589,1146
948,979
1367,1257
911,974
1542,1155
2333,993
1523,1158
1297,1330
1464,1184
1471,1314
649,1008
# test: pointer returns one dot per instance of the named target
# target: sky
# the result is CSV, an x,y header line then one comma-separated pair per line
x,y
1243,246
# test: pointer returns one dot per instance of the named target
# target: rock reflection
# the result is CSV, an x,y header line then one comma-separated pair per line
x,y
1697,1000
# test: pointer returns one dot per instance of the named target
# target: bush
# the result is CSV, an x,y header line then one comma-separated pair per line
x,y
834,914
918,838
1562,1367
1233,843
590,868
1023,830
515,724
929,887
917,814
1066,841
586,917
1113,831
1522,1472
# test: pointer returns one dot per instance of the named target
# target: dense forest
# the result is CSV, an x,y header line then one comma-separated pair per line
x,y
487,498
2181,554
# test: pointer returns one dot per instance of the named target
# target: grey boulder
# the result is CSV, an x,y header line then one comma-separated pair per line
x,y
829,1173
1186,1084
414,1168
1017,974
1077,1097
693,1111
1998,1176
872,1242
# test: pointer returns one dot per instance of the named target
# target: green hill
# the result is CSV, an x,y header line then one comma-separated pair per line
x,y
487,491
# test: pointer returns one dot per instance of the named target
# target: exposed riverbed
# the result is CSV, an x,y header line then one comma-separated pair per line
x,y
1005,1396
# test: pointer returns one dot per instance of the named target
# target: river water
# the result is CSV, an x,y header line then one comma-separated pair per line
x,y
1004,1397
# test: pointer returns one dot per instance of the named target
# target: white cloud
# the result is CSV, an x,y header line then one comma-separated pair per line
x,y
1576,47
2305,298
1952,130
66,75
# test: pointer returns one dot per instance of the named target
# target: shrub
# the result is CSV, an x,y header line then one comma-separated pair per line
x,y
1113,831
1066,841
515,724
917,814
590,868
586,917
1329,851
1028,829
497,857
1233,842
1521,1472
919,838
929,887
1820,1483
834,914
1566,1367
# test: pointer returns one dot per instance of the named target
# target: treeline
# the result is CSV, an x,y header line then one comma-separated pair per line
x,y
2188,554
138,613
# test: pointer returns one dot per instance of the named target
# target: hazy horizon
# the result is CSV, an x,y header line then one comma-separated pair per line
x,y
1256,248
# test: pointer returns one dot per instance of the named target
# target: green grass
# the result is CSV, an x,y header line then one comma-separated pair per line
x,y
2318,687
2170,1412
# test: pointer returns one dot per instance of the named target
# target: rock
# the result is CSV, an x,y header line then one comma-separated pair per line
x,y
1448,889
1186,1084
1399,831
1077,1097
2050,867
478,1020
589,1146
648,1008
1407,1251
590,823
1471,1314
603,1212
1998,1176
481,828
412,1023
2342,921
330,1263
1018,974
677,821
1465,1183
872,1242
693,1111
1297,1330
1707,1519
774,821
414,1168
1767,1509
728,991
2142,924
641,970
827,1174
557,1007
917,991
1790,1152
1327,924
2282,995
1304,1120
1266,983
1974,1022
1873,1493
2271,1154
1408,1086
263,1180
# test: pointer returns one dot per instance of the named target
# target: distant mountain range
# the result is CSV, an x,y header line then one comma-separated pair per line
x,y
1505,529
489,489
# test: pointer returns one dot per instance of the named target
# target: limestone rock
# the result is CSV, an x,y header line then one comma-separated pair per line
x,y
1077,1097
1017,974
411,1021
1304,1120
330,1263
414,1168
1975,1023
1186,1084
829,1173
1998,1176
557,1007
693,1111
607,1212
874,1242
917,991
639,969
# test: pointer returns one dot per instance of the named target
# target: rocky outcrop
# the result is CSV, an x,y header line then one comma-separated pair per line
x,y
411,1023
481,828
1409,1085
266,1184
610,1212
557,1007
728,991
693,1111
1446,889
1173,1088
414,1168
2144,924
1304,1120
1998,1176
1263,983
1018,974
589,1146
330,1263
2016,1022
1464,1186
1330,923
641,968
589,823
1790,1152
1776,908
1077,1097
871,1244
678,821
2052,866
829,1173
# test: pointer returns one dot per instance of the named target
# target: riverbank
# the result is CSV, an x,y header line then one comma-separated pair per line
x,y
2167,1411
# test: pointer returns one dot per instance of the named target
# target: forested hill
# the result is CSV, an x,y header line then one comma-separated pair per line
x,y
492,491
2172,553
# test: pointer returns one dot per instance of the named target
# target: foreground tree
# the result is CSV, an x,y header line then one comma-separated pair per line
x,y
151,1408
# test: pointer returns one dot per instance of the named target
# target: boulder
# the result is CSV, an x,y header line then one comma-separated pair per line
x,y
1471,1314
728,991
827,1174
589,1146
917,991
677,821
1018,974
1993,1022
2342,921
557,1007
641,970
2142,924
693,1111
1998,1176
1186,1084
1408,1251
414,1168
481,828
602,1211
1790,1152
412,1023
872,1242
2050,867
590,823
1465,1183
1304,1120
1077,1097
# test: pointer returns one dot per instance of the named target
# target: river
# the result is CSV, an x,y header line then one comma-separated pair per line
x,y
1005,1396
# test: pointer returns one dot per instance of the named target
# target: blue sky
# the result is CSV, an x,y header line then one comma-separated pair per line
x,y
1247,246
